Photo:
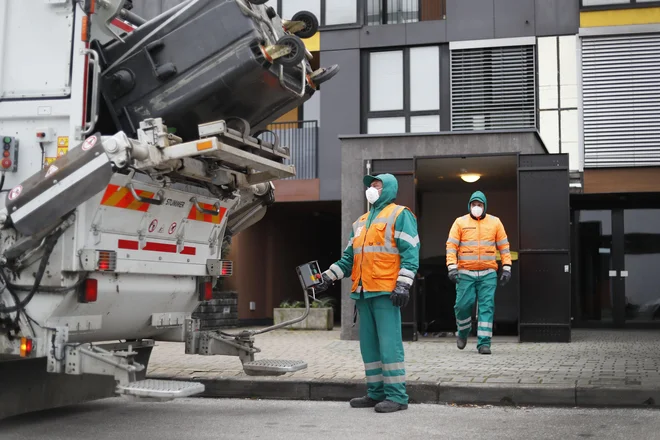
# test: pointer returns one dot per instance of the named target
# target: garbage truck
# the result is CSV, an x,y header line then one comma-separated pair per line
x,y
132,149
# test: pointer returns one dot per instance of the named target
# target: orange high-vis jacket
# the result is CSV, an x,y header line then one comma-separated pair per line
x,y
471,244
376,259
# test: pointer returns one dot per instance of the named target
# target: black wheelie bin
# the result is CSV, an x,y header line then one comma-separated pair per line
x,y
203,61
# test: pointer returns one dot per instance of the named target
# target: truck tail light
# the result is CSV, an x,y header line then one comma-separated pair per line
x,y
205,289
227,268
89,291
106,261
26,347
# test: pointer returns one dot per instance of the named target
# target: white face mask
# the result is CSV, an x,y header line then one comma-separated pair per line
x,y
477,211
372,195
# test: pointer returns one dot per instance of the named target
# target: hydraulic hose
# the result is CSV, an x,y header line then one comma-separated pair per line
x,y
48,249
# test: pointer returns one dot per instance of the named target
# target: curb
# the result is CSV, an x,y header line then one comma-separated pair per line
x,y
431,393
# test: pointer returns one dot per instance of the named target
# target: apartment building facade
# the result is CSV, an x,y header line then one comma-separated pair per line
x,y
551,102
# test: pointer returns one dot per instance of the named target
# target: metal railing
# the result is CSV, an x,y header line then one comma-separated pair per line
x,y
379,12
302,137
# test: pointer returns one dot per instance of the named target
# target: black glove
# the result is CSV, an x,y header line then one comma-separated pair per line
x,y
505,277
325,283
400,296
453,275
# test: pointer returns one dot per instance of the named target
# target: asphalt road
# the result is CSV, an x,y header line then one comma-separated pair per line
x,y
202,419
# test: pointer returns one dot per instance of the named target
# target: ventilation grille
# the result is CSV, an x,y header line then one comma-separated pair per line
x,y
493,88
621,97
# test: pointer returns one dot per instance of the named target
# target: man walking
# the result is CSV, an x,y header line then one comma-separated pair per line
x,y
472,265
382,258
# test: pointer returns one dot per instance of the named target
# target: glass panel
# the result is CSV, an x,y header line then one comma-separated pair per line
x,y
340,12
595,262
386,81
374,11
549,129
642,260
568,71
425,124
569,137
425,78
290,7
386,125
547,71
604,2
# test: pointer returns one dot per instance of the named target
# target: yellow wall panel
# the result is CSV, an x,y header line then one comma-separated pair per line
x,y
619,17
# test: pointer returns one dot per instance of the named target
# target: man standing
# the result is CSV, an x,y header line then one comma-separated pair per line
x,y
382,258
472,264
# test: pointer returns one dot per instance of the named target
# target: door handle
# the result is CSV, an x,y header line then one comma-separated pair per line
x,y
612,273
624,274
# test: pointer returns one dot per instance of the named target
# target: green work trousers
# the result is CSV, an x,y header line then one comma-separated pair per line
x,y
482,288
382,348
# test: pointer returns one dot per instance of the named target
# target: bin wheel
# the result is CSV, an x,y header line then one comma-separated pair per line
x,y
297,53
271,12
258,2
311,24
325,74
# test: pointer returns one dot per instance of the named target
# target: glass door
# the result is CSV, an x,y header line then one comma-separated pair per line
x,y
640,264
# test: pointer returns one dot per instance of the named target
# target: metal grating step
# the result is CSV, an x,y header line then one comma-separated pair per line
x,y
273,367
160,389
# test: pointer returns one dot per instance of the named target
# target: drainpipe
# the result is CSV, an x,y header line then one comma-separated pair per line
x,y
368,172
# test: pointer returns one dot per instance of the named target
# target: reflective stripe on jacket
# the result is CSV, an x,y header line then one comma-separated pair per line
x,y
472,243
376,259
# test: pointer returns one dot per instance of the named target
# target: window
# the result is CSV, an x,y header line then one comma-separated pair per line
x,y
605,4
403,11
403,88
558,99
493,88
328,12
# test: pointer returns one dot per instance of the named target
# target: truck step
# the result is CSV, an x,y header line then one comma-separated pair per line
x,y
160,389
272,367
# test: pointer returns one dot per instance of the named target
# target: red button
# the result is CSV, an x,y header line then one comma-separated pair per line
x,y
6,154
6,163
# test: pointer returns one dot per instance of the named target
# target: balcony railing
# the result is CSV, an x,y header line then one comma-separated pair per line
x,y
403,11
302,137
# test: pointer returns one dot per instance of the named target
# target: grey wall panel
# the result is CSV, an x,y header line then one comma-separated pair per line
x,y
340,113
426,32
382,36
514,18
557,17
470,20
340,39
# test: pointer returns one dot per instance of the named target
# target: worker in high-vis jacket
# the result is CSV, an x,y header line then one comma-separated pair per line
x,y
472,266
382,258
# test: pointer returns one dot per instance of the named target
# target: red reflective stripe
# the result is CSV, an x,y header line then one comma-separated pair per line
x,y
128,244
123,26
156,247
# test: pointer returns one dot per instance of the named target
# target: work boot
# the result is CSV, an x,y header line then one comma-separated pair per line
x,y
484,349
364,402
461,342
387,406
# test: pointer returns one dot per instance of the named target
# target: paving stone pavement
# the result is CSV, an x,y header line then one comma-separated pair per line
x,y
594,358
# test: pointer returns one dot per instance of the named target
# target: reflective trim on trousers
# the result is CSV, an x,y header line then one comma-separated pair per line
x,y
463,321
476,273
394,366
373,365
394,379
464,327
484,333
374,379
485,324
